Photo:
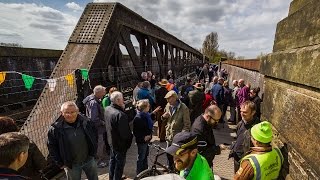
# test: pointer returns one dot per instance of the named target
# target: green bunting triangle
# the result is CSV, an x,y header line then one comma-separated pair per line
x,y
85,74
28,81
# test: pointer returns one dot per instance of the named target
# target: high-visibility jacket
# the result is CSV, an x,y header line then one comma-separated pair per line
x,y
266,166
170,86
199,171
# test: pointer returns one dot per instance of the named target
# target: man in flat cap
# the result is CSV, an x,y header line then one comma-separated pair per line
x,y
177,118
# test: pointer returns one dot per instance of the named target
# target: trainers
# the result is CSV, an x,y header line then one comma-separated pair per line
x,y
102,165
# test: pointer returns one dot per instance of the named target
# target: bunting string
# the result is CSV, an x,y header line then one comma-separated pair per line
x,y
52,82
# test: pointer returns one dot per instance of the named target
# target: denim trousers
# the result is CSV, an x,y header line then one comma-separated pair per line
x,y
116,164
89,167
143,152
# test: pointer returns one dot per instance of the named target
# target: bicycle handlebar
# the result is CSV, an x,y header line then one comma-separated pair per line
x,y
157,146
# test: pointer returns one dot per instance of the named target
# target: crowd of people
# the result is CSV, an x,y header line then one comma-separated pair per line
x,y
185,117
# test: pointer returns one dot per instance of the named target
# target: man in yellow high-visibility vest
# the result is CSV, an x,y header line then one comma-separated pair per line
x,y
263,162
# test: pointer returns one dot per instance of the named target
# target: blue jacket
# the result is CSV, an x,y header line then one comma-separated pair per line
x,y
10,174
58,147
218,93
140,127
144,93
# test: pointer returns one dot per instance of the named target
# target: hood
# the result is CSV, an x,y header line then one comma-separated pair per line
x,y
87,99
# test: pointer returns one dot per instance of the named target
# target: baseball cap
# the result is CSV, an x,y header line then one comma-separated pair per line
x,y
182,141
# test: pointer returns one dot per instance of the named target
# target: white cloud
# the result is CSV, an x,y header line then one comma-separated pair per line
x,y
245,27
35,26
74,6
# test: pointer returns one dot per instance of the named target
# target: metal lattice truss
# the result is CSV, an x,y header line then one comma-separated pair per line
x,y
95,43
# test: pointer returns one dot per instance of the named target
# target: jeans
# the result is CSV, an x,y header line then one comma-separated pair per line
x,y
116,164
89,167
233,115
143,152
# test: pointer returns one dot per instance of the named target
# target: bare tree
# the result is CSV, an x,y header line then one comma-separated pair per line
x,y
210,45
10,44
225,54
261,55
240,58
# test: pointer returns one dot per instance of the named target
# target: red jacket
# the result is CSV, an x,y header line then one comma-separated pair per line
x,y
206,102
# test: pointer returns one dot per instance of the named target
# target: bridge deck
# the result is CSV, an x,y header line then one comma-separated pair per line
x,y
222,166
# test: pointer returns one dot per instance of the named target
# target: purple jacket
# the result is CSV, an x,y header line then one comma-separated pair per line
x,y
243,95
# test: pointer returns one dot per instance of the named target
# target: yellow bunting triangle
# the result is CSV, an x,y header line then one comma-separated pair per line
x,y
2,77
70,79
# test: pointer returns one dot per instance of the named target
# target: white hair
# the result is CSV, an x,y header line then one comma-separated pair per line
x,y
115,96
68,103
144,74
98,89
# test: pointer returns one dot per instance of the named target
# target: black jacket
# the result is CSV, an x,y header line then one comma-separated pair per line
x,y
242,143
160,94
34,163
257,101
10,174
204,133
58,147
140,128
118,130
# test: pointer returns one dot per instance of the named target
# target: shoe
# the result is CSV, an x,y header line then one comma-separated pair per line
x,y
102,165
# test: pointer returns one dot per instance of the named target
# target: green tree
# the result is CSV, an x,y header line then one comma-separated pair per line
x,y
210,46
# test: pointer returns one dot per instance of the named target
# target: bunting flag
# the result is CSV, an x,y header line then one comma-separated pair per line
x,y
2,77
85,74
69,79
28,81
52,84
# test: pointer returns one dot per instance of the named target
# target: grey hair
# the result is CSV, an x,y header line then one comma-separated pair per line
x,y
68,103
115,96
142,104
98,89
144,74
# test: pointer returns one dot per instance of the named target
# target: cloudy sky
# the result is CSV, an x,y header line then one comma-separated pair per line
x,y
246,27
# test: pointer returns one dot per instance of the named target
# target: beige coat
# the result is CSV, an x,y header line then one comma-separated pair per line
x,y
178,121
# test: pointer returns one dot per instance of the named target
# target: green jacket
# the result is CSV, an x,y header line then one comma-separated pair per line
x,y
178,121
106,101
200,170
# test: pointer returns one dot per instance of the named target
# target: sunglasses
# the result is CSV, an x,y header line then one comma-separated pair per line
x,y
216,120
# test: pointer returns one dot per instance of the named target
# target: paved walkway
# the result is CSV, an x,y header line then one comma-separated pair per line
x,y
222,166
